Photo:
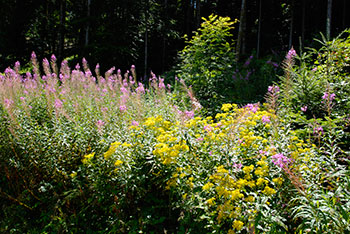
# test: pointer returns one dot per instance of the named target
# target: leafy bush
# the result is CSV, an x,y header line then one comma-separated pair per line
x,y
208,64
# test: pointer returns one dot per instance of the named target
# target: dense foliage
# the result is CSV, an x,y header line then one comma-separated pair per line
x,y
208,63
108,154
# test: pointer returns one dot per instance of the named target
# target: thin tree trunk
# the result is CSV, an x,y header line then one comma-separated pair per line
x,y
198,13
329,17
259,31
244,25
188,17
291,26
146,40
146,52
164,38
61,28
303,25
240,30
87,24
47,25
344,14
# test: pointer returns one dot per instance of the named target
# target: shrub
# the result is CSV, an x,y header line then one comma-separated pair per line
x,y
207,62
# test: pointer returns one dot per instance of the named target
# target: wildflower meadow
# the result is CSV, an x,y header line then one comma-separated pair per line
x,y
83,152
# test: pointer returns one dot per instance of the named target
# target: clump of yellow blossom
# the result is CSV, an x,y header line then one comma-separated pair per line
x,y
111,149
87,158
118,163
237,224
207,186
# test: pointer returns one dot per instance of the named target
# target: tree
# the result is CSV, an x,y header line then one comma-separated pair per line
x,y
259,30
87,23
303,23
329,17
241,30
62,28
291,24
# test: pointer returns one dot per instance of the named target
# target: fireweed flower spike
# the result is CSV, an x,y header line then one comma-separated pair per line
x,y
100,124
291,54
58,103
122,108
280,160
33,55
273,89
330,97
135,123
318,131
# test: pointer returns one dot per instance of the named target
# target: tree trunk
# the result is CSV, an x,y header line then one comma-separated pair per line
x,y
61,29
291,26
303,25
244,26
188,17
240,30
259,31
329,17
146,39
344,14
87,23
146,52
198,13
164,37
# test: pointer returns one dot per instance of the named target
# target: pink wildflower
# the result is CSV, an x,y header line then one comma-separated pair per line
x,y
273,89
304,108
266,119
58,104
8,102
100,123
237,165
280,160
189,114
207,128
161,84
122,108
291,54
134,123
140,89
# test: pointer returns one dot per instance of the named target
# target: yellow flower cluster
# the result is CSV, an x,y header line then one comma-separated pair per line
x,y
111,149
157,123
168,146
263,168
87,158
168,153
238,225
118,163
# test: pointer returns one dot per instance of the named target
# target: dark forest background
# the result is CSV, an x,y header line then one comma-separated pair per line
x,y
149,33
